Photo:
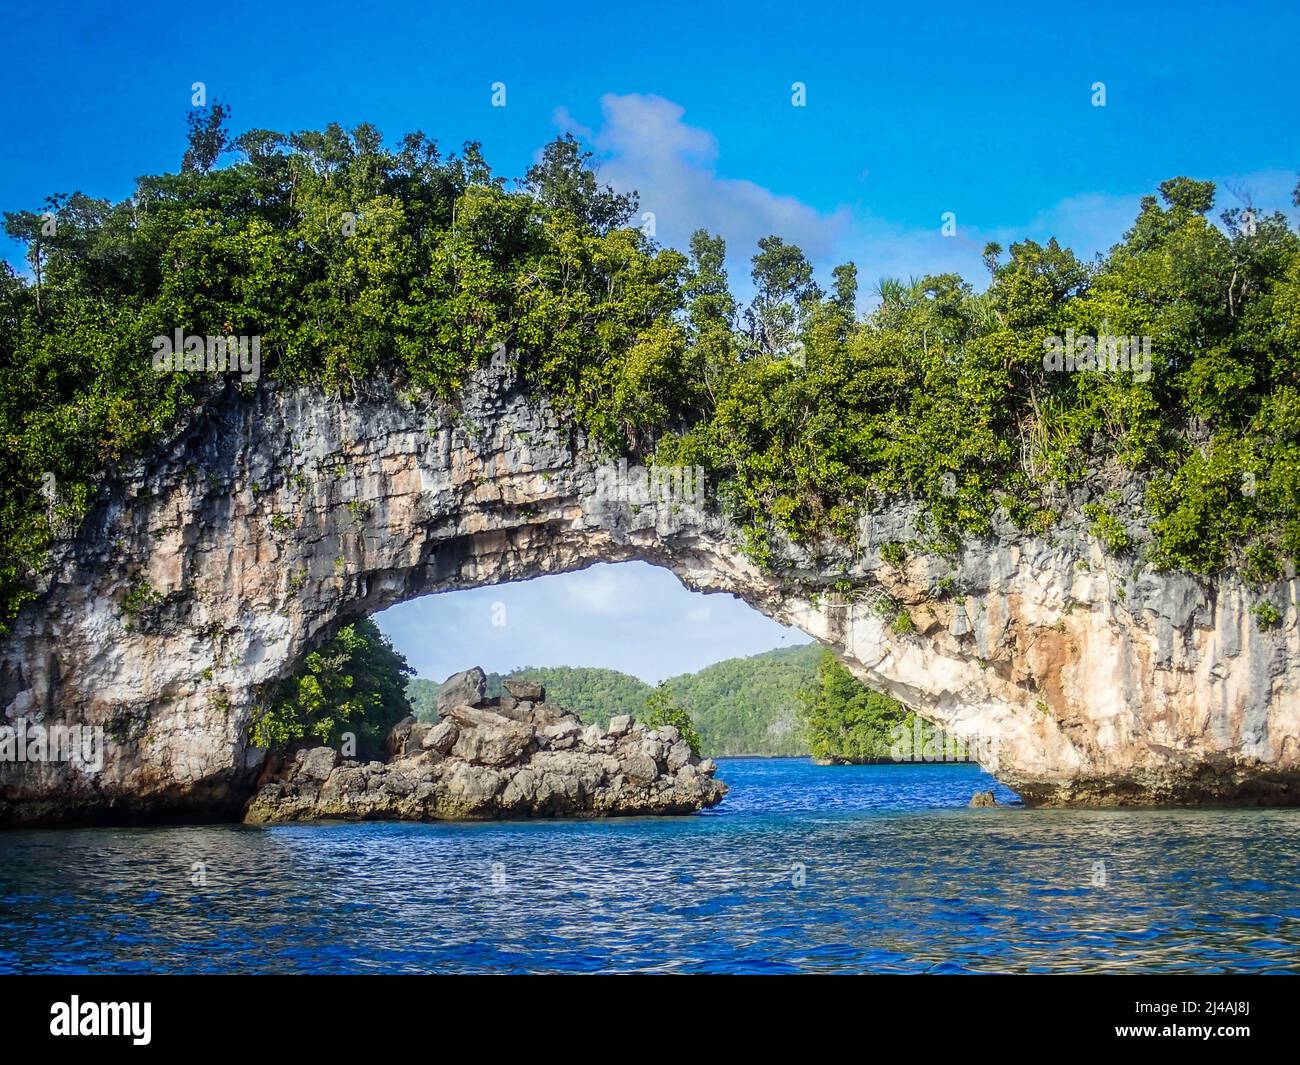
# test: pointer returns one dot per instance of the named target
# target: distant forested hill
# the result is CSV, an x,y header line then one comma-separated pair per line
x,y
747,705
596,694
740,706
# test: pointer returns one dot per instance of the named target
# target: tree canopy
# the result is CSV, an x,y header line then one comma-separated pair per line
x,y
349,257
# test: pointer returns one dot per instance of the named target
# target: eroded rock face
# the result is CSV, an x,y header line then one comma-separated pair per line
x,y
211,569
479,763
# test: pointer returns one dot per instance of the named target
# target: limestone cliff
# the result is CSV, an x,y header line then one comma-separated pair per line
x,y
211,568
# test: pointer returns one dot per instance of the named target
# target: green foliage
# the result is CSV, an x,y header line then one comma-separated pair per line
x,y
355,683
942,395
662,708
894,553
350,258
422,695
1107,528
748,705
1266,615
902,625
347,258
139,598
845,721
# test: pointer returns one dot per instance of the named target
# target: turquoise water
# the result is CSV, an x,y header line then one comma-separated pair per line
x,y
801,869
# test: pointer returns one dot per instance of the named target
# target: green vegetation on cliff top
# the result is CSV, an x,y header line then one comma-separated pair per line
x,y
350,258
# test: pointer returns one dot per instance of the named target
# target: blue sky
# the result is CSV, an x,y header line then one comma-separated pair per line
x,y
631,616
984,111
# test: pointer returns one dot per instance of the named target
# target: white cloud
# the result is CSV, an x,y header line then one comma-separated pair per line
x,y
603,591
647,147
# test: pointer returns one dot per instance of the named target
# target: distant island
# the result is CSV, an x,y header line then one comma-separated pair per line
x,y
789,702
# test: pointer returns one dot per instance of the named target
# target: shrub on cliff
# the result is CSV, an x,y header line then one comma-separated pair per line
x,y
662,709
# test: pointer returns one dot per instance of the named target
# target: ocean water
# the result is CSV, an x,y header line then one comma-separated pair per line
x,y
801,869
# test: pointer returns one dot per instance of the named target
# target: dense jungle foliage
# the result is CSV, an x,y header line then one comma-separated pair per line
x,y
350,258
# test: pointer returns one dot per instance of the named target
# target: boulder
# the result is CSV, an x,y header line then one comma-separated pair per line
x,y
441,737
395,742
316,763
679,755
560,735
983,798
415,739
488,738
468,688
549,713
524,689
619,724
640,768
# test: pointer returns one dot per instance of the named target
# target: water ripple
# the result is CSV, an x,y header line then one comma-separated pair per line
x,y
877,868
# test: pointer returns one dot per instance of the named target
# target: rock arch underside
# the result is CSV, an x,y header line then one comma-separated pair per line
x,y
209,569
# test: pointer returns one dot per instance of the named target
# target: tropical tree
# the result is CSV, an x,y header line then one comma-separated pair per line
x,y
353,685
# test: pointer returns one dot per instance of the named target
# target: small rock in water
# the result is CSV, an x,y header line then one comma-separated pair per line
x,y
983,798
510,757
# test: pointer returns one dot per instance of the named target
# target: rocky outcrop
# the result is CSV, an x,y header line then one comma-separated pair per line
x,y
213,567
514,757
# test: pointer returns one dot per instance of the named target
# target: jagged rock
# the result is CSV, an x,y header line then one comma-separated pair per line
x,y
550,713
415,738
441,737
480,763
619,724
560,735
524,689
983,798
316,763
486,737
640,768
468,688
395,743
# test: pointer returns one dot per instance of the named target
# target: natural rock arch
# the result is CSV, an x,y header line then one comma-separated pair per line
x,y
210,568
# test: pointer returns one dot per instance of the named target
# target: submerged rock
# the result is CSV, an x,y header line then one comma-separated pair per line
x,y
494,759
